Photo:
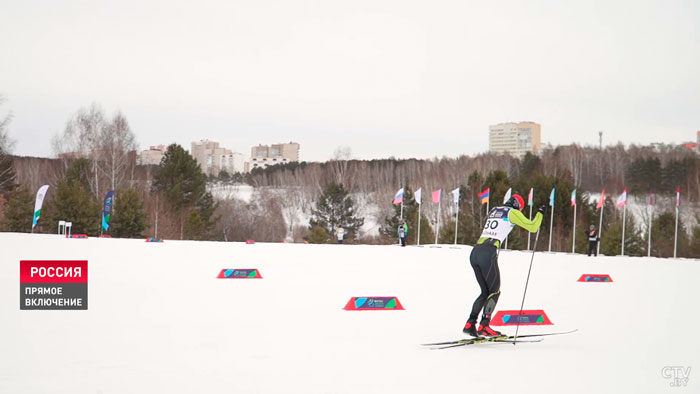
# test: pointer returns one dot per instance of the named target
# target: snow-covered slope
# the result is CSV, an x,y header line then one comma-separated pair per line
x,y
160,322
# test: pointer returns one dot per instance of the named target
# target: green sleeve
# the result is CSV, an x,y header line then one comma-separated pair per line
x,y
517,217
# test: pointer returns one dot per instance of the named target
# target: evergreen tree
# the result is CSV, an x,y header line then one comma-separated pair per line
x,y
643,174
611,244
20,211
201,220
410,217
183,184
129,218
469,225
530,165
318,235
74,203
694,246
335,208
662,235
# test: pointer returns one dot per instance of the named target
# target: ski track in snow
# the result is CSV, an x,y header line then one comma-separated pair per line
x,y
160,322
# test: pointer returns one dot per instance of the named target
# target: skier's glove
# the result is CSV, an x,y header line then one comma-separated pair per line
x,y
542,209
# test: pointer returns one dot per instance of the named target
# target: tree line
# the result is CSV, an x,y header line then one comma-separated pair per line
x,y
306,201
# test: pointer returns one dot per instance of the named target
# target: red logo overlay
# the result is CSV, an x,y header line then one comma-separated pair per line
x,y
53,271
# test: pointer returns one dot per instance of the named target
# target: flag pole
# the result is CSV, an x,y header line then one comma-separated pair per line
x,y
438,221
456,222
528,233
675,236
418,240
600,226
551,227
651,220
624,210
487,209
573,243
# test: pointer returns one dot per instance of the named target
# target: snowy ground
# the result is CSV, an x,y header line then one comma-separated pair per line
x,y
160,322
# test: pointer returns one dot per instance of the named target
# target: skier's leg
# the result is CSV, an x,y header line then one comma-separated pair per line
x,y
483,296
493,282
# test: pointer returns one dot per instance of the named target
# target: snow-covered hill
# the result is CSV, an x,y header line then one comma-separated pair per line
x,y
160,322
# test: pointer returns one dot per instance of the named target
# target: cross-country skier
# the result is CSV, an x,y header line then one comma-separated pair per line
x,y
484,259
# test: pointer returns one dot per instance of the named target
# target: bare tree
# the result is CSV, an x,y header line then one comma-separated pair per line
x,y
116,142
6,144
108,145
80,138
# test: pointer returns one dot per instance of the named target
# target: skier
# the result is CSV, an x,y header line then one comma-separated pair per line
x,y
340,233
484,259
403,230
593,239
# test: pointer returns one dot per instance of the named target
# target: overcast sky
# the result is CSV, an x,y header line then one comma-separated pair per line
x,y
385,78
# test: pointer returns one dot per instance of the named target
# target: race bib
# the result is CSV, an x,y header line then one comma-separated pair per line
x,y
497,225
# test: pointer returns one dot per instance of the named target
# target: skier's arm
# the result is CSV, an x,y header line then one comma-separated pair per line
x,y
517,217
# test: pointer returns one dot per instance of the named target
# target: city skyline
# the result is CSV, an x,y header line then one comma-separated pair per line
x,y
394,79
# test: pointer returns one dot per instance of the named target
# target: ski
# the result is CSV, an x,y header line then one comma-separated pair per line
x,y
471,341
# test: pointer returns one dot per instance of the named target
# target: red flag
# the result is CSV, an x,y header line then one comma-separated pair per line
x,y
678,197
602,200
651,197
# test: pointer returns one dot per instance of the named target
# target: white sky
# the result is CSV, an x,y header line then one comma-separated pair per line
x,y
386,78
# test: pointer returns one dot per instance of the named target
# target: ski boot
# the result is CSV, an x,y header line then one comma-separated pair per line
x,y
485,330
470,328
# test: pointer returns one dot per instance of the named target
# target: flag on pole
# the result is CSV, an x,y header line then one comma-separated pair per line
x,y
601,202
418,196
508,194
678,197
622,200
107,210
651,197
436,196
455,194
398,198
37,204
530,196
551,198
573,198
484,196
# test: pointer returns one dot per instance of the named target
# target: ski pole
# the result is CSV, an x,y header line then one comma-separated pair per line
x,y
537,236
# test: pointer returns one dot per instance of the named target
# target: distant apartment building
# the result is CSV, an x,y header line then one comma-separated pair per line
x,y
212,158
263,156
515,138
152,156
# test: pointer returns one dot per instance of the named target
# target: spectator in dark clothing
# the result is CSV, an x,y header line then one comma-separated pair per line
x,y
593,240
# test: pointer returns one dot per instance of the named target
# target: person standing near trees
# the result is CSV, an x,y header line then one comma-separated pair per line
x,y
403,231
340,233
484,260
593,240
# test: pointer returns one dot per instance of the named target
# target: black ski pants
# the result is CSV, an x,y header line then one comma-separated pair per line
x,y
593,248
484,261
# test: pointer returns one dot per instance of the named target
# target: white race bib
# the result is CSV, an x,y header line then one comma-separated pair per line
x,y
497,225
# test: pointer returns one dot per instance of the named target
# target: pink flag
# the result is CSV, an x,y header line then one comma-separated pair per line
x,y
436,196
678,197
530,198
601,203
622,200
651,197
